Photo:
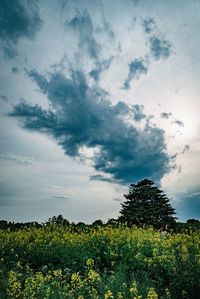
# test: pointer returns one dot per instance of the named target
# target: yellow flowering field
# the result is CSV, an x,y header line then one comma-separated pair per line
x,y
103,263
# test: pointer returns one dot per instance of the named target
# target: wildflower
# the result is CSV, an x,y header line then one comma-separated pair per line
x,y
108,295
93,276
119,295
14,285
167,292
152,294
133,289
76,280
90,262
57,273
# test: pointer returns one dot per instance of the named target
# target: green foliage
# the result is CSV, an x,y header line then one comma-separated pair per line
x,y
55,262
146,205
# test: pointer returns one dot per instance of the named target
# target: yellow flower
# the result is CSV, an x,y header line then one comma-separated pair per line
x,y
152,294
93,276
90,262
119,295
108,295
134,289
76,280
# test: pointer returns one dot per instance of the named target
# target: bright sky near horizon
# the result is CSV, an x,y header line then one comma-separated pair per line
x,y
96,95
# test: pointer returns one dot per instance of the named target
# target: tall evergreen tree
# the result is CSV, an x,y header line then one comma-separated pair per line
x,y
146,204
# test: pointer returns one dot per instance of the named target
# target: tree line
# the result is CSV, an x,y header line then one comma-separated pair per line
x,y
145,205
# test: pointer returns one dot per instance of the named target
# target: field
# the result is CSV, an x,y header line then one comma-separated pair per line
x,y
102,263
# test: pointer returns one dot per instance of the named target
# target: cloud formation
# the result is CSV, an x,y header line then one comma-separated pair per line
x,y
4,98
88,45
178,122
186,148
82,25
81,116
21,160
166,115
100,67
138,112
137,68
101,178
17,19
149,25
160,47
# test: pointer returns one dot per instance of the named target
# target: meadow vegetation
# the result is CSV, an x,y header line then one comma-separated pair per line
x,y
58,261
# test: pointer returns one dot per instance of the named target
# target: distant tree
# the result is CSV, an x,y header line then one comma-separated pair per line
x,y
146,204
113,222
193,221
3,224
52,219
80,224
98,222
58,220
66,222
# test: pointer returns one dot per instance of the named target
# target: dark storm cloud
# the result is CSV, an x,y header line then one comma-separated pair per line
x,y
17,19
82,25
40,80
137,68
83,116
160,47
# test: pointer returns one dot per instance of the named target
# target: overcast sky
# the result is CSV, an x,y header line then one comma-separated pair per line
x,y
96,95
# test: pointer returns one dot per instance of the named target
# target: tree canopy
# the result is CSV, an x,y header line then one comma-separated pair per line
x,y
147,204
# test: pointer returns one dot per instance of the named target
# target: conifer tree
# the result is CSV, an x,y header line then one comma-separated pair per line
x,y
146,204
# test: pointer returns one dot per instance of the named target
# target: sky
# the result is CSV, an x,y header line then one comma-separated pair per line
x,y
96,95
